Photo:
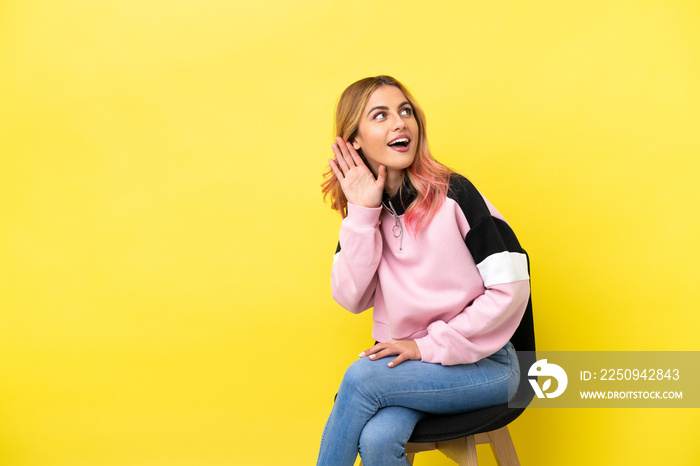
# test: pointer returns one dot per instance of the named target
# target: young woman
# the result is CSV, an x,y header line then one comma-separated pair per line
x,y
443,271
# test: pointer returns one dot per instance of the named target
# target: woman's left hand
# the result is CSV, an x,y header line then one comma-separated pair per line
x,y
405,349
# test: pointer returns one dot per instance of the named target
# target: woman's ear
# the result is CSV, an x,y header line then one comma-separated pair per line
x,y
355,144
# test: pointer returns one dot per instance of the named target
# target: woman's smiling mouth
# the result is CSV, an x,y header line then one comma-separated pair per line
x,y
400,143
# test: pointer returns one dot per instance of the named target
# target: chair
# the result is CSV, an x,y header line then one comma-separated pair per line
x,y
457,435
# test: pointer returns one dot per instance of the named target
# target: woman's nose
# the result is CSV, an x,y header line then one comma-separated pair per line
x,y
398,122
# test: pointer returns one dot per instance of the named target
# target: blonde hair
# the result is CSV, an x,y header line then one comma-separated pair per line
x,y
429,177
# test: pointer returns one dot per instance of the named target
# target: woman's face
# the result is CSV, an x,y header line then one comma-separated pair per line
x,y
388,130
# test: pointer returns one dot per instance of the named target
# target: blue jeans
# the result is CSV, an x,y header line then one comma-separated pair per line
x,y
377,407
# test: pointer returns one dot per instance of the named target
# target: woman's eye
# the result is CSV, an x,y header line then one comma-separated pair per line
x,y
379,115
406,111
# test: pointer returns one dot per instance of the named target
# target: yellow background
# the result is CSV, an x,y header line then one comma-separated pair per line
x,y
165,253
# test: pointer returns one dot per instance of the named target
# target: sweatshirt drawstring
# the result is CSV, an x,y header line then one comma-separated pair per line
x,y
397,229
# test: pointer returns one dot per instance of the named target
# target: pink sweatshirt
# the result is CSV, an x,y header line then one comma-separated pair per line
x,y
459,288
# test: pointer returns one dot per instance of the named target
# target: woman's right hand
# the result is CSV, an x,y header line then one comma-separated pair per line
x,y
358,183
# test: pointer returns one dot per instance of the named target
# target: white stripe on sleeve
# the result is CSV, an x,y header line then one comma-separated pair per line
x,y
503,267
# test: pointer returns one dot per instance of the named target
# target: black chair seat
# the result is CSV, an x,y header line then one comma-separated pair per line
x,y
439,428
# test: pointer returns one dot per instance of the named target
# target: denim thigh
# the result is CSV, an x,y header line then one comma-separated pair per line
x,y
434,388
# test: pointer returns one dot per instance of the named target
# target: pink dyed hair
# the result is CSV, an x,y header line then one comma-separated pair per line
x,y
428,176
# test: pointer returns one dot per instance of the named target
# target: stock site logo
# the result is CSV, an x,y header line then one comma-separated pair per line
x,y
543,369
